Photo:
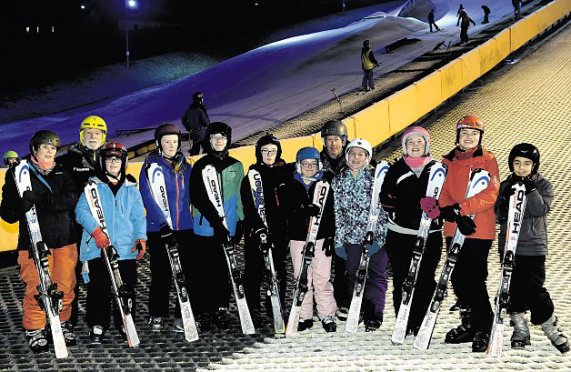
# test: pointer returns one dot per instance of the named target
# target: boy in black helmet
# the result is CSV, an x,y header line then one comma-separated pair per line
x,y
271,168
526,287
210,273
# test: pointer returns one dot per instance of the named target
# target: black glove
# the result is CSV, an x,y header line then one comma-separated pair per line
x,y
33,197
329,246
167,236
466,225
310,209
24,206
450,213
529,184
221,233
239,232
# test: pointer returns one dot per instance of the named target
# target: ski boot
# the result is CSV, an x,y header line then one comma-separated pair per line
x,y
177,325
304,324
205,322
520,338
464,332
156,323
555,334
222,319
68,335
329,324
480,342
96,334
37,341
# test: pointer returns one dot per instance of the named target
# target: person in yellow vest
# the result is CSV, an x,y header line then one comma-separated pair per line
x,y
368,63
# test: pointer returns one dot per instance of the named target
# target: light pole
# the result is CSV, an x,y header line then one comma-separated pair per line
x,y
128,4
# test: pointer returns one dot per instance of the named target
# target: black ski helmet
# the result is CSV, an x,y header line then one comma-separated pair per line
x,y
525,150
222,128
163,130
44,137
198,97
334,128
267,139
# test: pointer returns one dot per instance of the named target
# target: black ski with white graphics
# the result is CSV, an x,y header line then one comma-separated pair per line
x,y
48,297
213,188
362,272
516,211
479,181
436,179
157,185
273,286
300,289
119,290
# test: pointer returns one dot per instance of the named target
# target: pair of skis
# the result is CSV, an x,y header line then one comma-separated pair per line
x,y
157,185
212,183
436,179
273,286
48,297
479,181
372,225
301,284
516,211
118,289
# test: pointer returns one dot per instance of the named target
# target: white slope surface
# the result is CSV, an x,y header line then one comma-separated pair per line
x,y
260,89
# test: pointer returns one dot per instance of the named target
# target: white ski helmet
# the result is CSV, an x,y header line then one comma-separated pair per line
x,y
361,143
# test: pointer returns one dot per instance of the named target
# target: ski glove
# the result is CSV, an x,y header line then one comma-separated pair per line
x,y
466,225
310,209
101,239
221,233
450,213
529,184
167,236
340,251
430,206
239,232
33,197
141,246
328,246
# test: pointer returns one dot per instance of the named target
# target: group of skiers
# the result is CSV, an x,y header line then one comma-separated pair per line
x,y
200,224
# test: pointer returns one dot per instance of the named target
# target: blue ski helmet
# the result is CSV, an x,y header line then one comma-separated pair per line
x,y
307,153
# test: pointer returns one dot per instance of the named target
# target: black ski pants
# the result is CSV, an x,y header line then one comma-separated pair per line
x,y
210,286
255,272
527,290
340,285
464,34
399,248
161,273
469,281
99,296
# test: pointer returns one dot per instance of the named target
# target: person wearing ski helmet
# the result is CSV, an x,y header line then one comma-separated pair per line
x,y
353,194
210,272
126,232
10,157
196,120
54,197
527,290
469,277
334,136
403,191
176,171
271,169
82,161
296,203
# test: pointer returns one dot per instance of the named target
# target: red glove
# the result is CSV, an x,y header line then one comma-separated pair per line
x,y
141,245
101,239
430,206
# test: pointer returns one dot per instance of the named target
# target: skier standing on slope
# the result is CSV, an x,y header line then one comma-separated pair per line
x,y
403,190
527,289
210,270
334,136
54,196
352,194
466,20
82,161
176,171
431,21
125,218
296,201
196,120
368,63
271,168
469,276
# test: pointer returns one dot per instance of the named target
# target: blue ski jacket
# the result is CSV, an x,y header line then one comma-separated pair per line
x,y
125,217
177,184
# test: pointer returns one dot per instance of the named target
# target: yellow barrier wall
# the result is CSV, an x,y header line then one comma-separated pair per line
x,y
385,118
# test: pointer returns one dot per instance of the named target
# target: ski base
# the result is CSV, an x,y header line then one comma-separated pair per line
x,y
293,320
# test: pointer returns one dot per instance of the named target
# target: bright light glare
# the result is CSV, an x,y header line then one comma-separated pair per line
x,y
82,6
132,3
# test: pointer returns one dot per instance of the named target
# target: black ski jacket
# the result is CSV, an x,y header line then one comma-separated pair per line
x,y
400,197
54,212
332,165
195,120
81,163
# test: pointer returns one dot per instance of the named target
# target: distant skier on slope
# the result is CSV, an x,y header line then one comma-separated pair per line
x,y
368,63
466,20
195,120
431,20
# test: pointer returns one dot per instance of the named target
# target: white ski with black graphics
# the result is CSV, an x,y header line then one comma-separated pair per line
x,y
436,179
479,181
157,185
213,188
300,289
516,211
48,297
273,286
361,275
118,289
